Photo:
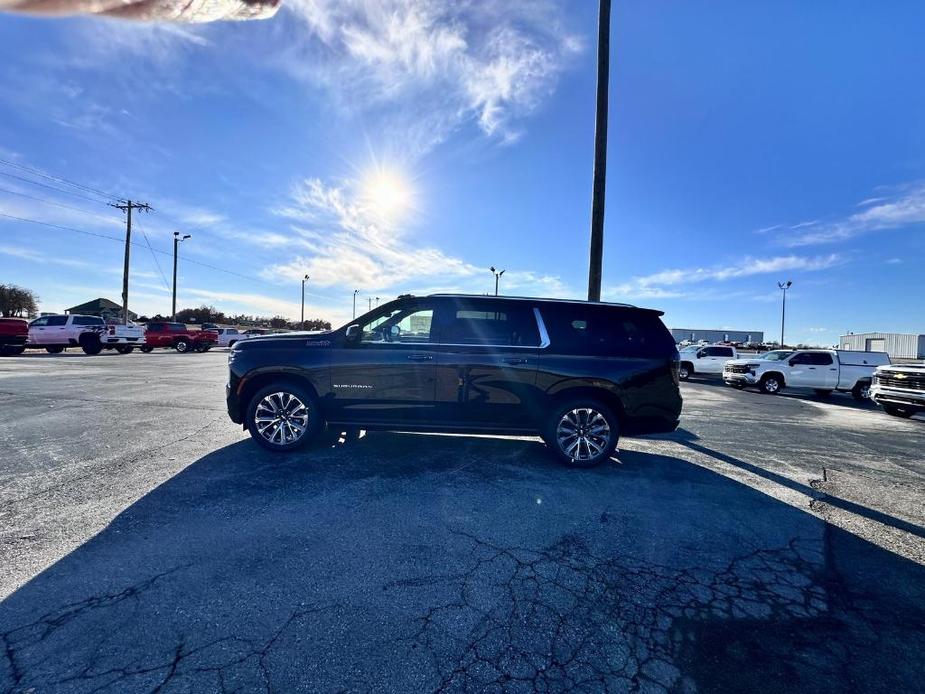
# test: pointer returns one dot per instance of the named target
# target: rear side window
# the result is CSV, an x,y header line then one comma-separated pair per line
x,y
57,320
606,331
503,324
87,320
176,327
718,352
819,358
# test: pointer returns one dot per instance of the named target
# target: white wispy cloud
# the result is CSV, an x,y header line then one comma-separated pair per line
x,y
672,283
489,63
905,208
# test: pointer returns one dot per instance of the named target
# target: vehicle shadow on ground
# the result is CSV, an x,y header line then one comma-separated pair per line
x,y
401,562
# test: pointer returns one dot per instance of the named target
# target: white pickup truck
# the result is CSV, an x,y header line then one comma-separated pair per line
x,y
704,359
90,333
822,370
899,389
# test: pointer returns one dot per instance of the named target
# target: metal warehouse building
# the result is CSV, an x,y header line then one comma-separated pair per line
x,y
897,345
681,334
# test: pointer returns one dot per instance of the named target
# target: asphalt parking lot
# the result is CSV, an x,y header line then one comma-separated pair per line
x,y
771,543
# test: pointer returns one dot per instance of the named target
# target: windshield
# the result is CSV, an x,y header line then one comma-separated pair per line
x,y
777,355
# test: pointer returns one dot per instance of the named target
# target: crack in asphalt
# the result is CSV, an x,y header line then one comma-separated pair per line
x,y
563,619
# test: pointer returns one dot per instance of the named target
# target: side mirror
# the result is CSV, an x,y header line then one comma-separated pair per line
x,y
353,333
701,354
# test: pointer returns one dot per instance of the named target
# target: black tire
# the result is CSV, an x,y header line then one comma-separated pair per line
x,y
182,346
55,349
125,349
861,391
771,384
685,370
147,349
823,392
575,415
276,392
895,411
90,343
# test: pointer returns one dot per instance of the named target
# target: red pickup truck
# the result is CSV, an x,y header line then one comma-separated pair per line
x,y
178,336
13,335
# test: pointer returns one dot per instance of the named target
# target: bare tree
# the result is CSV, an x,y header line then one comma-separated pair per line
x,y
16,301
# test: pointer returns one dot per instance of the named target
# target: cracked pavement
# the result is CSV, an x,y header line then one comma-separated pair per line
x,y
771,544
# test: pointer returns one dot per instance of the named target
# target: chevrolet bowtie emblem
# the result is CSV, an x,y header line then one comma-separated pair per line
x,y
900,375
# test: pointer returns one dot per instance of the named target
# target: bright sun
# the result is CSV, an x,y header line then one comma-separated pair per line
x,y
387,194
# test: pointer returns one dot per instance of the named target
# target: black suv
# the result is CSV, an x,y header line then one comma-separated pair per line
x,y
577,373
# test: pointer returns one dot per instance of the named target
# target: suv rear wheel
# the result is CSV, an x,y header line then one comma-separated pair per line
x,y
582,433
147,349
182,346
283,417
90,343
54,349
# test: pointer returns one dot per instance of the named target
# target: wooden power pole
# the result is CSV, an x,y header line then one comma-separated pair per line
x,y
600,153
127,207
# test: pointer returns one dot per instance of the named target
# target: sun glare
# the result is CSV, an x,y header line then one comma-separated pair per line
x,y
387,194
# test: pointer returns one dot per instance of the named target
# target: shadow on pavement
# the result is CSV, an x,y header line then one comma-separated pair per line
x,y
403,562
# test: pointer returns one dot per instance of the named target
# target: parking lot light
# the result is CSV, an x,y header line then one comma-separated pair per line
x,y
783,286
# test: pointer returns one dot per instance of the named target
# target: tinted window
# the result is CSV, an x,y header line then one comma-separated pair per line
x,y
155,326
57,320
87,320
39,323
177,326
718,352
803,358
490,322
605,331
819,359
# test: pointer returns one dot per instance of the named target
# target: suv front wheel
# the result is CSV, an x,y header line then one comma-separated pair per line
x,y
283,417
582,433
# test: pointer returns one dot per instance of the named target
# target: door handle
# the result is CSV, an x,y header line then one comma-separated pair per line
x,y
514,360
420,357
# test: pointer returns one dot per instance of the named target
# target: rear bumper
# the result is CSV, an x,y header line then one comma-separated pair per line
x,y
894,396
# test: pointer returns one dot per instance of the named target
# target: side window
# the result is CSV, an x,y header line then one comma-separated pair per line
x,y
605,331
491,323
821,359
177,327
727,352
56,320
155,327
802,358
406,325
39,323
87,320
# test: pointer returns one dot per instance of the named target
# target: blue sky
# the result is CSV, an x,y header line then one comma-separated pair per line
x,y
398,146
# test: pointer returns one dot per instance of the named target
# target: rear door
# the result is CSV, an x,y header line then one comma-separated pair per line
x,y
37,331
713,359
487,362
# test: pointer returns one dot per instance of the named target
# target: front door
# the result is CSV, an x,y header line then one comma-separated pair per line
x,y
387,374
487,362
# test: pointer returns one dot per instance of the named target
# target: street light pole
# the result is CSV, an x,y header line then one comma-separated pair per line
x,y
783,286
600,153
355,292
302,322
176,242
497,277
377,302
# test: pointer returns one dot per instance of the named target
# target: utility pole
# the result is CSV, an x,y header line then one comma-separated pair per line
x,y
302,324
127,207
497,277
600,153
783,286
176,242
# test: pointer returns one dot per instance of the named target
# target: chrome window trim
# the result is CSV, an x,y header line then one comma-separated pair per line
x,y
541,326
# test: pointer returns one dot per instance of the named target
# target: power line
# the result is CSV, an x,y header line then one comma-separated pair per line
x,y
154,257
57,204
57,190
60,179
122,240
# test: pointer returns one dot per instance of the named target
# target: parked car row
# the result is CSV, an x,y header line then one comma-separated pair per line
x,y
92,334
898,389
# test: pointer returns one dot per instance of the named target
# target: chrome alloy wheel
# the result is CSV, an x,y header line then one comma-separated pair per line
x,y
281,418
583,433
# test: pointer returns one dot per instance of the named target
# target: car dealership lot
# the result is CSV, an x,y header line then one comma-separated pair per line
x,y
772,542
